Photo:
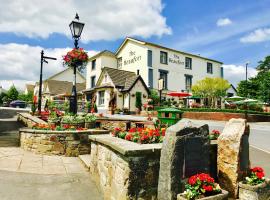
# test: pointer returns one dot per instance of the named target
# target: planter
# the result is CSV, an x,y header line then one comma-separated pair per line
x,y
222,196
256,192
90,125
76,125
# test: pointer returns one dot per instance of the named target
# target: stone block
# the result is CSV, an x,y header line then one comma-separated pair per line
x,y
257,192
233,155
185,152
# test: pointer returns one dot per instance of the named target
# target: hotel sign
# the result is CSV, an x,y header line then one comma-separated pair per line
x,y
176,60
132,58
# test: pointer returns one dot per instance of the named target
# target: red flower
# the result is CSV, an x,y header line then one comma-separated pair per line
x,y
207,188
257,169
192,180
132,130
128,137
260,175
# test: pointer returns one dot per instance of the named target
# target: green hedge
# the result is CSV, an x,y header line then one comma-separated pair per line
x,y
216,110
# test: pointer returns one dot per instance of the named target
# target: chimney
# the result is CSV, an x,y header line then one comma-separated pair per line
x,y
138,72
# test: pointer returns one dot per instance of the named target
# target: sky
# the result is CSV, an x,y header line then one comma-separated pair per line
x,y
231,31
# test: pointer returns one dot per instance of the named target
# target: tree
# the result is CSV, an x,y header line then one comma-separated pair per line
x,y
258,86
12,93
264,66
26,97
211,89
2,95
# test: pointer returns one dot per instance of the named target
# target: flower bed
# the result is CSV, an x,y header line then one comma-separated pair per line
x,y
201,186
141,135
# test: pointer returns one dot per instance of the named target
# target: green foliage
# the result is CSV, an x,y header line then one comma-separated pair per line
x,y
26,97
95,108
211,88
154,96
33,108
138,102
2,95
258,86
12,93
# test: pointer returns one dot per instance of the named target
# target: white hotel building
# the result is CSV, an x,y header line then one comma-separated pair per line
x,y
178,69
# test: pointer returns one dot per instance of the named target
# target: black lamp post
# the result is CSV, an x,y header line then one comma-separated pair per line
x,y
42,60
76,28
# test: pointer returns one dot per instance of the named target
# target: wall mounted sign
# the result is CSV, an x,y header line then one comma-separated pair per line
x,y
176,60
133,59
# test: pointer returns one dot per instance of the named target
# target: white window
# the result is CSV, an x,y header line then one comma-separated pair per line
x,y
101,99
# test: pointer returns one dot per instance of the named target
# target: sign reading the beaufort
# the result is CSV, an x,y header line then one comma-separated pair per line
x,y
133,58
176,60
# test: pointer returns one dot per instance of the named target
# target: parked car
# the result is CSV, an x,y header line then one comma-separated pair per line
x,y
18,104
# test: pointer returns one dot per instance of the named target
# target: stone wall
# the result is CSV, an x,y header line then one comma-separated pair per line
x,y
124,170
68,143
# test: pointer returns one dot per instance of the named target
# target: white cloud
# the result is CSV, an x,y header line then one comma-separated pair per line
x,y
235,73
224,22
20,64
104,19
258,35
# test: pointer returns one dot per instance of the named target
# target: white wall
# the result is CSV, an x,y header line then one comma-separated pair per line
x,y
101,61
67,75
177,71
134,57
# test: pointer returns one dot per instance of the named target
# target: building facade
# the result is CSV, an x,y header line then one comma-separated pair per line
x,y
179,70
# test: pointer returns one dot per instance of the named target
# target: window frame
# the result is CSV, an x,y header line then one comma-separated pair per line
x,y
211,69
93,64
165,82
93,85
101,99
166,60
188,77
190,59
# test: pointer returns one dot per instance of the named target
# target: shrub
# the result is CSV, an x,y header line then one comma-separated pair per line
x,y
138,102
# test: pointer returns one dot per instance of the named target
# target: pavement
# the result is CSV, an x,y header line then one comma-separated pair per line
x,y
27,176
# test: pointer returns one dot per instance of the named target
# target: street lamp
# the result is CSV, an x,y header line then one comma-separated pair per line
x,y
76,28
42,60
246,95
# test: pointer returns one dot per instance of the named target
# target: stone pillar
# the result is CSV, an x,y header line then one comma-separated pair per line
x,y
233,155
185,152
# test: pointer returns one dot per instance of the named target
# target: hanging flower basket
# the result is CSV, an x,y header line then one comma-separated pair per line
x,y
76,57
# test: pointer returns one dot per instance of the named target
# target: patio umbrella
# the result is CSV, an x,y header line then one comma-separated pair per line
x,y
234,98
246,101
179,94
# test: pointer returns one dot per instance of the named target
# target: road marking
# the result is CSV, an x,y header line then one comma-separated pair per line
x,y
260,149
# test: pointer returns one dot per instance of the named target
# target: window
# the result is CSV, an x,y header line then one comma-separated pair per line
x,y
221,72
93,81
101,98
149,58
188,63
93,64
209,68
163,74
150,78
119,63
163,57
188,82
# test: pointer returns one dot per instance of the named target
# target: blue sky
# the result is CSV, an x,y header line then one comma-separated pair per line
x,y
230,31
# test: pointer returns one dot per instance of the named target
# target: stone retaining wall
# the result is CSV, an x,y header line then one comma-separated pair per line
x,y
124,170
68,143
29,120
